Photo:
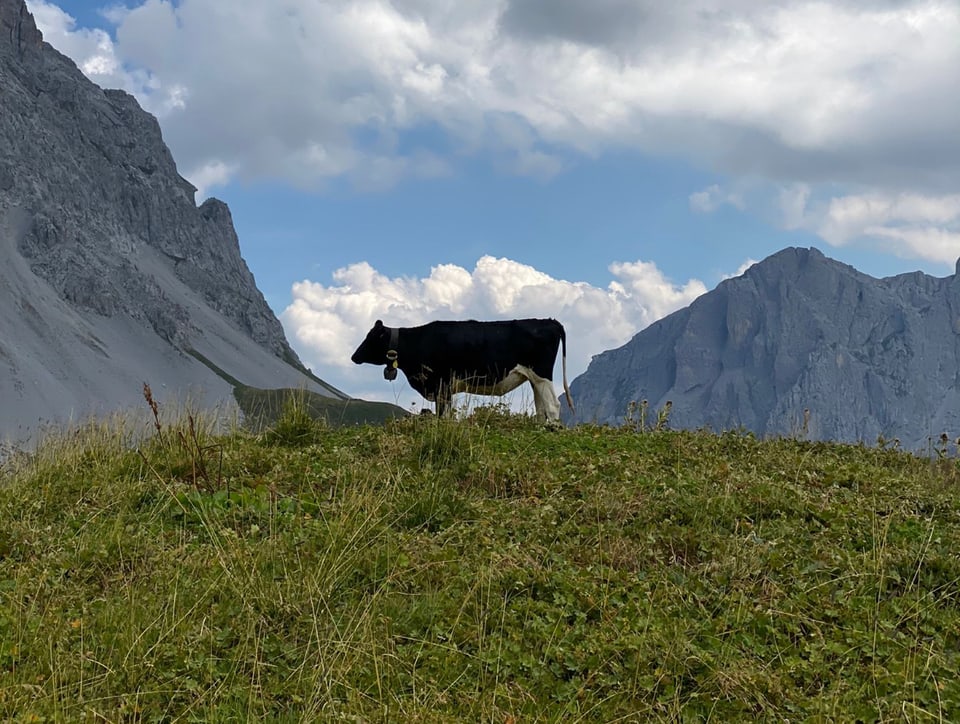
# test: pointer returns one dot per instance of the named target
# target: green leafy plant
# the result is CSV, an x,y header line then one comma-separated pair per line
x,y
295,426
188,447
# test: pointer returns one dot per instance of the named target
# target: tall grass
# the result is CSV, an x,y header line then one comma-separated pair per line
x,y
481,569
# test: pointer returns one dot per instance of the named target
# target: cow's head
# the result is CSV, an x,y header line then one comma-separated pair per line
x,y
373,349
379,347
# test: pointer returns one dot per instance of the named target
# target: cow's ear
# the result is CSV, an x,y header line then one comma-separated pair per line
x,y
378,324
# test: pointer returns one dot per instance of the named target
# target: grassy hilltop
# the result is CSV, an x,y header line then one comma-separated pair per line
x,y
484,569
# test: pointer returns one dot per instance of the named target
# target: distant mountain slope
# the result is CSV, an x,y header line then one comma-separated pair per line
x,y
865,356
110,275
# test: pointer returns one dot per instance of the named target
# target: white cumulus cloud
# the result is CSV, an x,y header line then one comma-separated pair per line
x,y
713,197
912,225
908,224
328,322
213,173
798,89
839,103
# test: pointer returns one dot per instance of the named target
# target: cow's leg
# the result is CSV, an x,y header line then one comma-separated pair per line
x,y
545,400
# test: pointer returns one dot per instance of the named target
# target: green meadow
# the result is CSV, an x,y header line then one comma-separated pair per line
x,y
483,569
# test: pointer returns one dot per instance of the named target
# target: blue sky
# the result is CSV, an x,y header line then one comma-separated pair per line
x,y
602,162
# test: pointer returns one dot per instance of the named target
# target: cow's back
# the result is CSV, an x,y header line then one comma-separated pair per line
x,y
489,350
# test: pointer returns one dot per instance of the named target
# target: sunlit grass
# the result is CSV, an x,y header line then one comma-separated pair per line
x,y
481,569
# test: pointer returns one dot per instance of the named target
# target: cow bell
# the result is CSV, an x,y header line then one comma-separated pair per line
x,y
390,371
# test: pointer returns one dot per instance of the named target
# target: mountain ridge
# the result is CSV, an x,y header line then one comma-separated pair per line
x,y
797,344
110,274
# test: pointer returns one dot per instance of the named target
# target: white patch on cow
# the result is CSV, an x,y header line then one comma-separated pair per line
x,y
544,399
511,382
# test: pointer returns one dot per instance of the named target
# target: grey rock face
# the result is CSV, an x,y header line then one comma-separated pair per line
x,y
94,215
798,331
18,32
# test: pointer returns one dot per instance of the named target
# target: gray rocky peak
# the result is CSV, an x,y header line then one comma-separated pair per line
x,y
103,249
796,332
18,31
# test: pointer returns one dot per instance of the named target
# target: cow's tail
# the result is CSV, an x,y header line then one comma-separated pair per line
x,y
566,387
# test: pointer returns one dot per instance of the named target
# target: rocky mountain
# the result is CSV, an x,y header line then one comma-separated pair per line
x,y
110,274
865,357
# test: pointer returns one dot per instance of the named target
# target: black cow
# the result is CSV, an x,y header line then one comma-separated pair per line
x,y
440,359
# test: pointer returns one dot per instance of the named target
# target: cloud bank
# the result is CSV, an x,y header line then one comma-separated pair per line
x,y
796,92
329,321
